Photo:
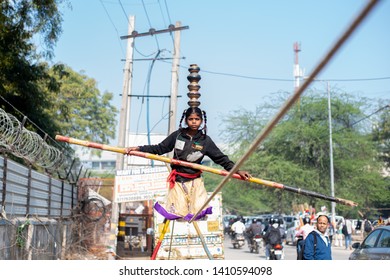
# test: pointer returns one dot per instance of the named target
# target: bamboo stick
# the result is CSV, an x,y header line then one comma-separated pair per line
x,y
160,239
204,168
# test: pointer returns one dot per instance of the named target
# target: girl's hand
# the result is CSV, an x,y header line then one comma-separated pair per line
x,y
130,149
244,175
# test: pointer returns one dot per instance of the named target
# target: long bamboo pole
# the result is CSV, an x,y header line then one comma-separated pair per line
x,y
291,101
203,168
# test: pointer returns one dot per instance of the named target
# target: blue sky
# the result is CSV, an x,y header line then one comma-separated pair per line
x,y
238,40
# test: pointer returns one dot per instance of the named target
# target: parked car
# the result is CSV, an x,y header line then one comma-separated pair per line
x,y
375,224
376,246
289,219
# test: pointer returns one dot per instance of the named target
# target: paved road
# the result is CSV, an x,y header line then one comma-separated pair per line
x,y
243,253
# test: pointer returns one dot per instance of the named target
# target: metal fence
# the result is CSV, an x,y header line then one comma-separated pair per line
x,y
35,213
26,192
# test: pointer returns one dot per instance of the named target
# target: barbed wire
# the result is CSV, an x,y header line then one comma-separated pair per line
x,y
26,144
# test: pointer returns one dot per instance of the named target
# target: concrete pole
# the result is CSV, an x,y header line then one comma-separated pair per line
x,y
129,79
124,127
124,121
174,81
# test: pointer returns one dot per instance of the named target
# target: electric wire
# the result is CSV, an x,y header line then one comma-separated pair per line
x,y
166,8
278,79
132,27
124,12
170,20
162,13
147,99
150,24
358,121
283,79
113,24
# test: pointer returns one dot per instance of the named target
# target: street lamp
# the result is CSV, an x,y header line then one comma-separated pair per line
x,y
333,205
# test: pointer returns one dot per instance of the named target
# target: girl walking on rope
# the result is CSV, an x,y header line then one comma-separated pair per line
x,y
186,191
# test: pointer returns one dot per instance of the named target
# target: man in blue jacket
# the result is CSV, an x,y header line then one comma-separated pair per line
x,y
317,244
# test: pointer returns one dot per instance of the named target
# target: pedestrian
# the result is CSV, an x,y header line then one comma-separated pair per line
x,y
367,227
380,221
302,234
331,232
317,243
358,226
347,232
339,236
186,191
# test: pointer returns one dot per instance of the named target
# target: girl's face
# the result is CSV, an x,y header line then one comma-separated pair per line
x,y
194,121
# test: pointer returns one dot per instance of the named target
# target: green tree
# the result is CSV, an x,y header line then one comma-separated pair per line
x,y
296,153
56,99
22,72
79,109
381,132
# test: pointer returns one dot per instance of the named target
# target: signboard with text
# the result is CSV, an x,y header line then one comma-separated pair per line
x,y
140,184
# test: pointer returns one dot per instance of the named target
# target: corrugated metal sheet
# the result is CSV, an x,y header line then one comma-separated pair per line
x,y
41,239
36,211
28,192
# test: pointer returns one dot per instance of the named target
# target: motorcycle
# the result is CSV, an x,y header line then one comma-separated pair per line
x,y
238,241
256,244
299,245
276,252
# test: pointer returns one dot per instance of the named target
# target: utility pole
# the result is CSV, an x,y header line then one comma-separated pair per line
x,y
124,124
174,81
175,66
124,121
333,205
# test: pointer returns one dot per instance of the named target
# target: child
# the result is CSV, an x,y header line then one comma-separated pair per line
x,y
186,192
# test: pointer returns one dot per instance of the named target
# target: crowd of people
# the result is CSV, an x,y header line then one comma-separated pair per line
x,y
316,235
271,230
332,234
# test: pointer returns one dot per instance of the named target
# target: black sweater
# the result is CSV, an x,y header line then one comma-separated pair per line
x,y
190,149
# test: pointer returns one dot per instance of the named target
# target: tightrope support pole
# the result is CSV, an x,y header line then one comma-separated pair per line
x,y
170,243
160,239
291,101
195,223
